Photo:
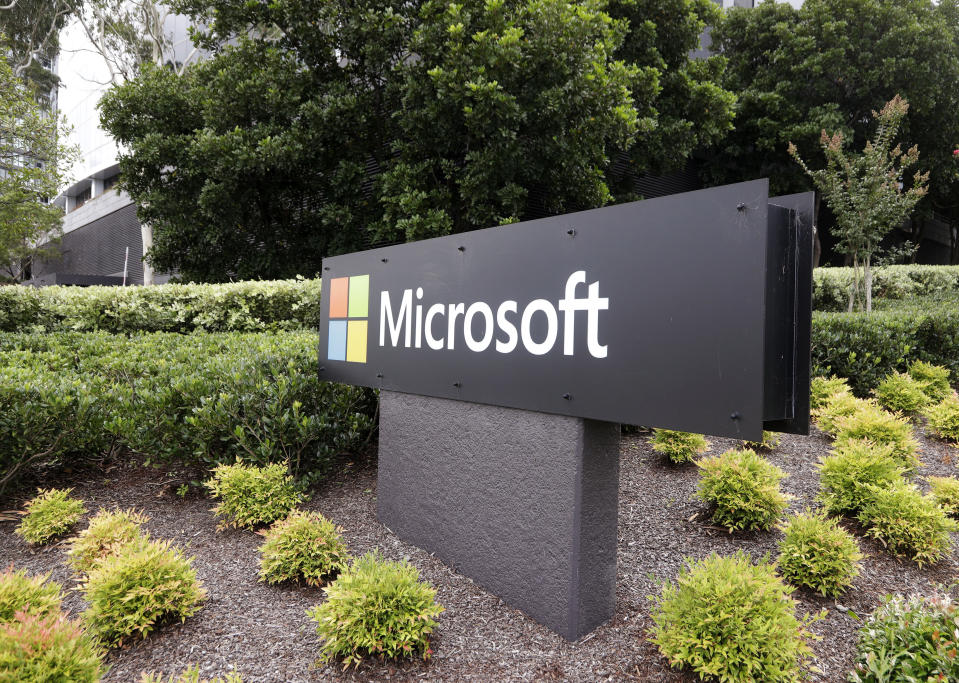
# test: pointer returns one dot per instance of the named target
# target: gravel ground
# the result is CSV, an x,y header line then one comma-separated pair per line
x,y
264,633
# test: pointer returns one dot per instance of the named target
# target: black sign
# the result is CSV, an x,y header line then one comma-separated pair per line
x,y
688,312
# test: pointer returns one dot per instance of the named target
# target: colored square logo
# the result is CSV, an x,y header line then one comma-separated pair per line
x,y
349,299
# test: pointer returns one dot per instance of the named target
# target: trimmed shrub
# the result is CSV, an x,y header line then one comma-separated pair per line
x,y
943,418
377,608
770,441
945,490
679,447
106,533
876,425
908,639
907,523
729,619
837,407
845,474
38,649
831,285
816,552
31,595
743,490
901,393
251,496
934,379
823,388
304,546
143,585
50,514
190,675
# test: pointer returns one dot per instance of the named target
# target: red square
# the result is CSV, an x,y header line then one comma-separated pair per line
x,y
339,297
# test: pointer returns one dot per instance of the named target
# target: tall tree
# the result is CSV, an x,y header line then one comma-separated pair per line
x,y
29,30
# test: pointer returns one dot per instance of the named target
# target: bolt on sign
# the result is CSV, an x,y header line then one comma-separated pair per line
x,y
687,312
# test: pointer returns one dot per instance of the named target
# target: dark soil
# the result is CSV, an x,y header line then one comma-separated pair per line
x,y
263,632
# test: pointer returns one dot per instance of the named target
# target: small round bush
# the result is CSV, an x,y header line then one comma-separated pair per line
x,y
377,608
836,408
743,490
769,442
52,513
32,595
901,393
679,447
944,418
145,583
728,619
946,492
876,425
252,496
818,553
106,533
821,389
190,675
850,468
908,639
934,379
304,546
907,523
38,649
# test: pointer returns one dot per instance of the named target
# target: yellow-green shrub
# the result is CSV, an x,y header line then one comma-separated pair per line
x,y
304,546
900,392
837,407
33,595
769,442
50,514
251,496
377,608
845,474
944,418
816,552
679,447
821,389
876,425
728,619
143,585
934,379
45,649
106,533
946,492
190,675
743,490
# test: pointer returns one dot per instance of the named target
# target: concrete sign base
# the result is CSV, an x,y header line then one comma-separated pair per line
x,y
524,503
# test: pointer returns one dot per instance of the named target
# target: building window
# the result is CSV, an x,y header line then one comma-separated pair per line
x,y
108,183
82,198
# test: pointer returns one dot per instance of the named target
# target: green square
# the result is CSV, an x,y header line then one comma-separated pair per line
x,y
359,296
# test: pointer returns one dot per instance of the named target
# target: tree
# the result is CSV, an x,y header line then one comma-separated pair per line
x,y
33,166
866,191
316,127
30,29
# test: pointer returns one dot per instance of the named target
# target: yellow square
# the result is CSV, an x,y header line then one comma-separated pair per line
x,y
356,341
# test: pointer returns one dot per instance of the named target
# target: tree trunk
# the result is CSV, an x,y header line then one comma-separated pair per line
x,y
146,233
868,281
854,287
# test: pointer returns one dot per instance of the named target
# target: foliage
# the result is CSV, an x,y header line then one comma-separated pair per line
x,y
816,552
230,307
907,522
34,163
303,546
838,407
729,619
866,192
133,592
831,285
845,474
908,639
946,492
104,536
742,488
50,513
196,400
29,31
190,675
769,441
882,428
510,109
933,378
944,418
821,389
38,649
901,393
679,447
31,595
251,495
376,607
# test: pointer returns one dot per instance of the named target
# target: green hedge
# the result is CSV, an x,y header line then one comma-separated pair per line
x,y
867,347
198,400
831,285
235,307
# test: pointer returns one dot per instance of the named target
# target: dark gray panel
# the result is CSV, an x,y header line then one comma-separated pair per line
x,y
685,279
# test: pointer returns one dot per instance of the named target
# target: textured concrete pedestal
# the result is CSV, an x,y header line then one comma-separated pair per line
x,y
523,503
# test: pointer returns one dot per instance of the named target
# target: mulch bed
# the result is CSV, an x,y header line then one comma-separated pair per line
x,y
263,632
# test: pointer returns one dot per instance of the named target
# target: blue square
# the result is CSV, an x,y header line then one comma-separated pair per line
x,y
337,341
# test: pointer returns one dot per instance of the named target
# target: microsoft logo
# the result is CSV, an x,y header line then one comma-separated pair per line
x,y
349,299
